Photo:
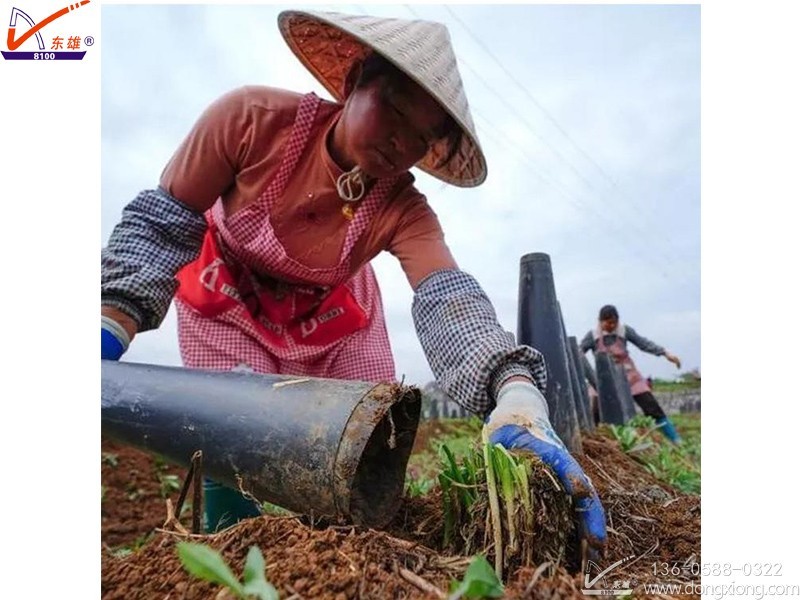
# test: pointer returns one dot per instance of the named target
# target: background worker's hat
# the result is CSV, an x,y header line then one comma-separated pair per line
x,y
329,43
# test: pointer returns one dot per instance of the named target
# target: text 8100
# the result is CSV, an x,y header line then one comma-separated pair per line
x,y
44,56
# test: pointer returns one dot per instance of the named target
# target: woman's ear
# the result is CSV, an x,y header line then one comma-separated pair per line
x,y
352,78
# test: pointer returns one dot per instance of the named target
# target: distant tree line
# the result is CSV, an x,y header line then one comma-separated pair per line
x,y
436,404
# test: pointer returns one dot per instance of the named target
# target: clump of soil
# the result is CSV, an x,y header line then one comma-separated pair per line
x,y
331,563
646,519
135,486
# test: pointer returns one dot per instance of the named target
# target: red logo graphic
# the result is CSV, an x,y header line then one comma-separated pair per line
x,y
73,43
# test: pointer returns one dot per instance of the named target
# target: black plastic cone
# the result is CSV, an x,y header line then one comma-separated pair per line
x,y
539,325
583,392
609,398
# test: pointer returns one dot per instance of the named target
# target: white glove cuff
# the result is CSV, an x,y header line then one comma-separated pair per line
x,y
519,403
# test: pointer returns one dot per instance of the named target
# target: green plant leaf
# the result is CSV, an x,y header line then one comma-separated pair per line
x,y
168,483
254,565
449,511
207,564
454,471
110,458
261,589
255,581
480,581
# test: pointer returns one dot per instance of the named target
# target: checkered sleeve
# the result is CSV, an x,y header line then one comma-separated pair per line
x,y
468,351
157,235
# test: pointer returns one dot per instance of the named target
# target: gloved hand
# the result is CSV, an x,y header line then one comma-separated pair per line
x,y
114,340
520,421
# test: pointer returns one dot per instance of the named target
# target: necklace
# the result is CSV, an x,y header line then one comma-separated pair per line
x,y
350,185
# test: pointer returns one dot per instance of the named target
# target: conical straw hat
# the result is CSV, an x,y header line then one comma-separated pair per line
x,y
329,43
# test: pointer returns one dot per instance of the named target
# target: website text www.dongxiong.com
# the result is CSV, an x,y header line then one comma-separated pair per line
x,y
720,591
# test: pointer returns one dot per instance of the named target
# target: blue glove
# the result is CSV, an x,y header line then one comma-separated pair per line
x,y
114,340
520,422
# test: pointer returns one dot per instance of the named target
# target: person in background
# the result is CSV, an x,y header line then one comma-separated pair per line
x,y
612,337
265,220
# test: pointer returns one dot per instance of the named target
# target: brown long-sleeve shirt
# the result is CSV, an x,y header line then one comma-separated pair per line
x,y
234,150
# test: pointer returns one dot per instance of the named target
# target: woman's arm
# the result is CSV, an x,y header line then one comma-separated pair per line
x,y
642,342
162,228
646,345
479,364
157,235
587,343
468,351
471,355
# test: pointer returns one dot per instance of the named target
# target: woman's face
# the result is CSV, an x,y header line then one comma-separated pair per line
x,y
388,126
609,325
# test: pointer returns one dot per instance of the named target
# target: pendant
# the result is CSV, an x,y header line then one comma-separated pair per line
x,y
350,185
348,212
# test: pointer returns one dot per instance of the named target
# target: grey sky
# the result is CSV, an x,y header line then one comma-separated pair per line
x,y
589,117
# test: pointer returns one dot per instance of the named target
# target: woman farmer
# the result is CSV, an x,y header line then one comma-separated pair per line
x,y
612,337
267,215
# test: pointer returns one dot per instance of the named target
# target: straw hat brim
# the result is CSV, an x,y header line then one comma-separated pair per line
x,y
328,46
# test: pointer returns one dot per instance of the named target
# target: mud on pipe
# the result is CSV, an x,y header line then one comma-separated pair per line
x,y
326,447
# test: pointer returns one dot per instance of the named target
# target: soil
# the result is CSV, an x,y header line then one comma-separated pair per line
x,y
134,497
646,519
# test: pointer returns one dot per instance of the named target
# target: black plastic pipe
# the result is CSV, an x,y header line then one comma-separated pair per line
x,y
574,384
587,421
624,392
539,326
591,378
610,403
324,447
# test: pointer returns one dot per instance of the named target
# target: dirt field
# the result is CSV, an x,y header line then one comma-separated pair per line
x,y
648,520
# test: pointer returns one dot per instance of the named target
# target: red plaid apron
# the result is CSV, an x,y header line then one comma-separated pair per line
x,y
326,323
620,356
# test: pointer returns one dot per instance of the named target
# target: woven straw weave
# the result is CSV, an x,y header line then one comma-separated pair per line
x,y
329,43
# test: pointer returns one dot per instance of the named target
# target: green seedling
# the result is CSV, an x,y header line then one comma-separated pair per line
x,y
462,477
642,422
629,438
480,581
459,435
670,465
490,505
418,487
679,466
275,510
109,458
494,505
134,546
508,486
459,485
132,492
505,466
207,564
168,484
